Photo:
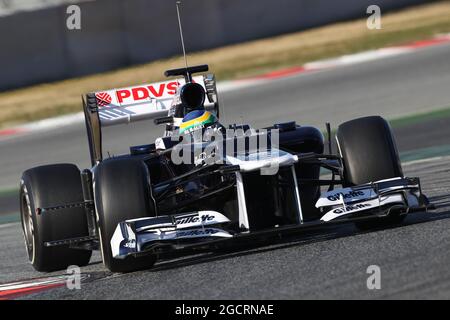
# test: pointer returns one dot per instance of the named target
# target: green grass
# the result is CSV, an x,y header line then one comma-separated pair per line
x,y
412,119
9,218
420,117
425,153
8,193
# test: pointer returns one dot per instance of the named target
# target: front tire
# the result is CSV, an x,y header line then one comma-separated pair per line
x,y
369,152
49,186
122,192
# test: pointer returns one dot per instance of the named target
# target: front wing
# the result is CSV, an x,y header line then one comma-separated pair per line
x,y
208,229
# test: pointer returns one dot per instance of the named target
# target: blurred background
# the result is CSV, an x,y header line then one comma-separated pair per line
x,y
116,33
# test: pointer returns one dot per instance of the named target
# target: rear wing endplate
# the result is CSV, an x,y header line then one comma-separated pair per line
x,y
143,102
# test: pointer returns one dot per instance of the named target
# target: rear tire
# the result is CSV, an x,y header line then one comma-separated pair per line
x,y
122,192
369,152
49,186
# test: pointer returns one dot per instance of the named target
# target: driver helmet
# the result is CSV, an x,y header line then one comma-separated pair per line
x,y
198,122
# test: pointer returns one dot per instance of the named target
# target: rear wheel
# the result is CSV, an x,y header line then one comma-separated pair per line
x,y
369,153
50,186
122,192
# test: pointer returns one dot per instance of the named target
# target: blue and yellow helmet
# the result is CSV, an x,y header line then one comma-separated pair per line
x,y
197,119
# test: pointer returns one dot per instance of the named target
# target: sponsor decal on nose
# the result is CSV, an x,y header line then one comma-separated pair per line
x,y
351,194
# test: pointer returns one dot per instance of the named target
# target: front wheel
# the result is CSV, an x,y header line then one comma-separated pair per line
x,y
369,152
122,192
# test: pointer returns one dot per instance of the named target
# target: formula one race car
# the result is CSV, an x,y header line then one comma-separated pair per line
x,y
203,185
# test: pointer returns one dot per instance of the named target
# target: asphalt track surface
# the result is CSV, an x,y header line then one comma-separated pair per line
x,y
413,258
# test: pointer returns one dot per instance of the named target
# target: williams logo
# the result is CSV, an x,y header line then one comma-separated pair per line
x,y
103,99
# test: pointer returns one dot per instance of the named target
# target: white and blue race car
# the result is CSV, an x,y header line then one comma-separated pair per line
x,y
203,185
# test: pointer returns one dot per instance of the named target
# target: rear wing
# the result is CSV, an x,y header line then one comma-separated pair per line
x,y
142,102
